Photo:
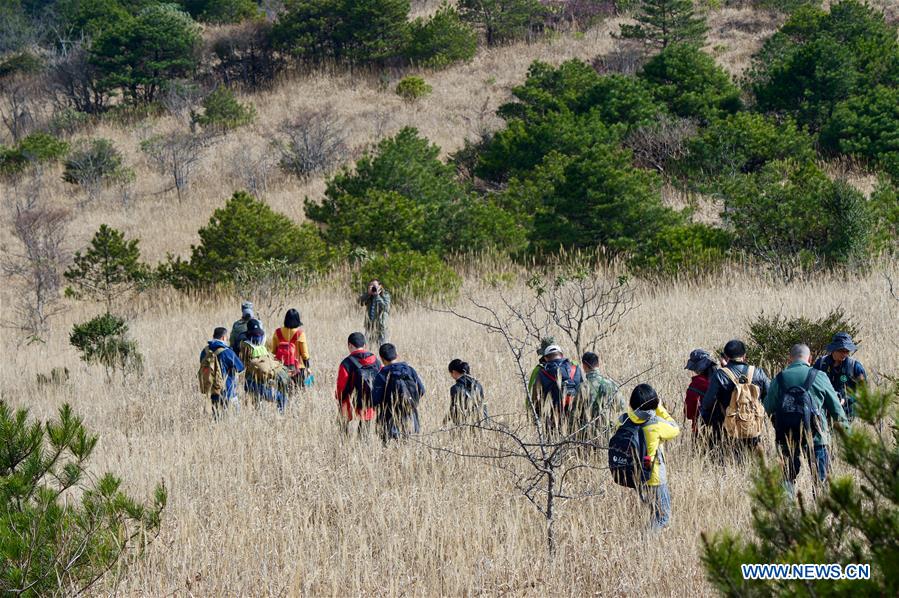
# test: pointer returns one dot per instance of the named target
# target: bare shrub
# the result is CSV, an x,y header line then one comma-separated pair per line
x,y
74,83
253,167
662,143
36,265
577,15
243,55
180,98
19,107
626,58
311,144
175,155
95,165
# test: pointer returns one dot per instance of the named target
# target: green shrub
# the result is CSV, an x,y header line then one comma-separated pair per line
x,y
37,148
345,31
222,111
108,269
20,63
661,23
410,276
884,205
743,143
412,88
93,165
248,231
220,12
794,219
770,337
504,21
690,248
867,125
92,17
62,528
688,81
68,121
441,40
104,341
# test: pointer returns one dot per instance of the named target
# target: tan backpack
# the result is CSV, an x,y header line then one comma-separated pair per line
x,y
745,414
210,375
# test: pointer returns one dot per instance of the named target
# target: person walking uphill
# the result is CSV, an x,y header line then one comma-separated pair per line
x,y
376,300
289,346
219,367
844,372
558,380
797,402
355,384
467,404
703,366
266,379
602,401
397,391
239,328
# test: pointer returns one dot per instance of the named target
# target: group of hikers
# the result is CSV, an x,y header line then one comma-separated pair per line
x,y
727,401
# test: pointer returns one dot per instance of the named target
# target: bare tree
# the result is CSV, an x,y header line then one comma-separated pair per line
x,y
661,143
36,266
19,108
180,98
311,144
175,155
253,167
74,82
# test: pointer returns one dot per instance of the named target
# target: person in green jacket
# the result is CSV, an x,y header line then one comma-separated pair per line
x,y
791,382
603,401
376,301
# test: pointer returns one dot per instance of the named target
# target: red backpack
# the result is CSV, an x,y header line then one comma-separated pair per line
x,y
286,350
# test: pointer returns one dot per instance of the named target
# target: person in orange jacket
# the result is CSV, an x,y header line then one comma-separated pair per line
x,y
289,346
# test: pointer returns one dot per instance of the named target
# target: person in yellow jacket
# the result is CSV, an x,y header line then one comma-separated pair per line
x,y
288,345
658,427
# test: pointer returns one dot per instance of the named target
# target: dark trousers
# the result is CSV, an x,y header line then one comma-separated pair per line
x,y
791,454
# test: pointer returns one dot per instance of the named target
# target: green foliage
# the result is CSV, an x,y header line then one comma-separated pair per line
x,y
867,125
67,121
37,148
410,276
93,165
140,55
503,21
855,521
688,81
248,231
744,142
687,248
661,23
441,40
108,269
63,529
884,203
820,59
403,197
771,337
223,112
793,218
412,88
20,63
91,17
352,31
220,12
104,341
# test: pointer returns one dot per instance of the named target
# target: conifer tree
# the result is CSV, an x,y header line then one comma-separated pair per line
x,y
110,268
661,23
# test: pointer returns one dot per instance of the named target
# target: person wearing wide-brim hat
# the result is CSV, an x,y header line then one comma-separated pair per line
x,y
845,372
703,365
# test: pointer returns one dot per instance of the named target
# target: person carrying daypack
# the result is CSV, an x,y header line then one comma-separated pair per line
x,y
355,383
636,458
731,407
558,383
601,404
703,366
844,372
239,328
797,402
266,378
288,345
219,367
467,403
397,392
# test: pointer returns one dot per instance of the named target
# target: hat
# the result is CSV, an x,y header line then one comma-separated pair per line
x,y
246,308
700,360
254,328
552,349
841,340
544,343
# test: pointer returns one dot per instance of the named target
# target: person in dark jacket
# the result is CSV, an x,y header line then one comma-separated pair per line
x,y
717,397
231,366
467,404
376,301
353,398
559,381
239,328
844,372
703,366
397,391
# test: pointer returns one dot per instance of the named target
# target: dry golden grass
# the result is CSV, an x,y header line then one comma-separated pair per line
x,y
269,505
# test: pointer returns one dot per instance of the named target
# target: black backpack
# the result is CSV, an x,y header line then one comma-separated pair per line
x,y
627,447
402,393
364,381
797,413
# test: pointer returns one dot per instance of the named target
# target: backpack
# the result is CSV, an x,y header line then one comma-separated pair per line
x,y
363,381
798,412
238,330
745,414
286,350
564,380
261,365
210,375
467,401
402,389
627,447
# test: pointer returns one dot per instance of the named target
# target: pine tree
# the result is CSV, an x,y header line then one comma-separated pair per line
x,y
664,22
110,268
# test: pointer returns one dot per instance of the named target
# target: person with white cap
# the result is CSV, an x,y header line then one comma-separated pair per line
x,y
559,380
239,328
844,372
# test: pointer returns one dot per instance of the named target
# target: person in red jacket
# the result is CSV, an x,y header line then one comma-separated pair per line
x,y
702,364
355,380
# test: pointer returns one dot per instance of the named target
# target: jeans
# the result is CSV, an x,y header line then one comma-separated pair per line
x,y
792,461
659,499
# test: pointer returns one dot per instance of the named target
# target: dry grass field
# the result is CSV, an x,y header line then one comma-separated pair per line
x,y
268,505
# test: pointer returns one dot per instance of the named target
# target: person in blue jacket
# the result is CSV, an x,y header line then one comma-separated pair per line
x,y
395,396
844,372
231,366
